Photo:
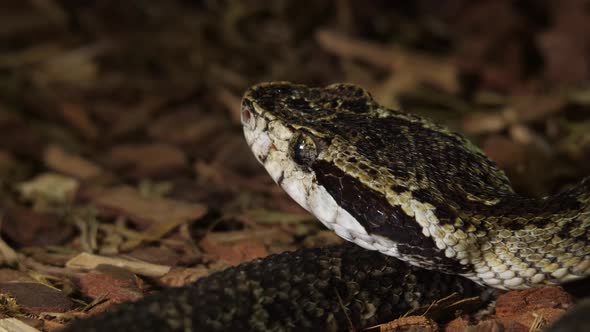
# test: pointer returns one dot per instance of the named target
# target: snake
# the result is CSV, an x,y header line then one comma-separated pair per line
x,y
436,215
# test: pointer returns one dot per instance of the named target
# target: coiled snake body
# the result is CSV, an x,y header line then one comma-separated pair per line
x,y
389,182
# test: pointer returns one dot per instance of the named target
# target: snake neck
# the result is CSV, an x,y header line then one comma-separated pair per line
x,y
494,237
567,210
521,242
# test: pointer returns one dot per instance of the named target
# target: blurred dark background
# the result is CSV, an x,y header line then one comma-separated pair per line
x,y
92,76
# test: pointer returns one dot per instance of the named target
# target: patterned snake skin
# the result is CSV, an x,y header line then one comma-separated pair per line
x,y
387,181
330,289
401,185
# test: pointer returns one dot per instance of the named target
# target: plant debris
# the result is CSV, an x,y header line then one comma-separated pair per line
x,y
123,168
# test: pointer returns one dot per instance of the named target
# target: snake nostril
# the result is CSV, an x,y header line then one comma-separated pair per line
x,y
246,114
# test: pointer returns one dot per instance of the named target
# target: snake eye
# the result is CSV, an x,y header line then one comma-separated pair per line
x,y
303,149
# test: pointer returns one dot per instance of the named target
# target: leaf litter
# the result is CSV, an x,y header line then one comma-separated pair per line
x,y
122,165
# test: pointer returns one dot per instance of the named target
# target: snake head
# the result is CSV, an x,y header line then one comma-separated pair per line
x,y
289,101
276,112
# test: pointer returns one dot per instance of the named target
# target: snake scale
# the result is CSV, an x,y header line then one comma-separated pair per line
x,y
390,182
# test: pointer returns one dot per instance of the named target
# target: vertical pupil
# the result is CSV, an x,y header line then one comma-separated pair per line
x,y
301,150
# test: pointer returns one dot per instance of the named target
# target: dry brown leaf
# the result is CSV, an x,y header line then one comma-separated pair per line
x,y
162,255
505,152
76,116
479,123
458,324
86,261
236,252
75,66
410,69
34,297
142,211
28,56
57,159
112,283
349,47
494,53
181,276
125,119
146,160
158,230
521,109
7,162
187,126
534,107
410,323
28,228
517,302
564,49
8,257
